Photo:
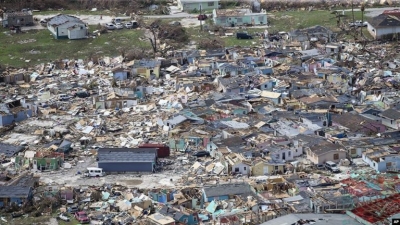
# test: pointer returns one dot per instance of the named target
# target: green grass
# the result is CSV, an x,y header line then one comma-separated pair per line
x,y
289,20
14,53
282,21
75,12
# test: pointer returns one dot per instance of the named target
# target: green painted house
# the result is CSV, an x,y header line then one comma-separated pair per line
x,y
192,5
47,163
39,163
238,17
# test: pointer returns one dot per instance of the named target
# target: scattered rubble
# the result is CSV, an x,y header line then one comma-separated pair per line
x,y
303,124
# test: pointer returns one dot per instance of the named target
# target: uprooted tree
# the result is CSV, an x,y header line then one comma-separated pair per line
x,y
165,37
211,43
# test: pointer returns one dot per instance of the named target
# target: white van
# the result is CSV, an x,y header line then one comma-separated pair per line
x,y
94,172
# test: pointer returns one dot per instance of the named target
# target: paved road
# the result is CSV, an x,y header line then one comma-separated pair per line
x,y
372,12
171,16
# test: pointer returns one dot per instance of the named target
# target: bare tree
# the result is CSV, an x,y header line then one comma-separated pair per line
x,y
211,43
165,37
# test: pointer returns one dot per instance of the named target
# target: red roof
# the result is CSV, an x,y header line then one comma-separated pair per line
x,y
392,11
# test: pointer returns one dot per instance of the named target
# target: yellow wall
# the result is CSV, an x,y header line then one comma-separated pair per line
x,y
258,169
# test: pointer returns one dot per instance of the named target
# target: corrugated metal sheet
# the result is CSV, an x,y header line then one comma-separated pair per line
x,y
126,166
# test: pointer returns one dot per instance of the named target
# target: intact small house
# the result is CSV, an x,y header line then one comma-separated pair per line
x,y
18,19
384,26
391,118
195,5
67,27
15,194
238,17
237,164
326,151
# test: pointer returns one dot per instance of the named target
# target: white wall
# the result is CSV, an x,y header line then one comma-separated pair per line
x,y
390,123
243,168
279,155
377,33
63,29
77,33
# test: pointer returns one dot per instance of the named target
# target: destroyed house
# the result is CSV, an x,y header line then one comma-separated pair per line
x,y
40,160
127,159
227,191
18,19
15,111
311,34
180,216
121,73
15,194
14,78
10,150
146,68
233,85
159,219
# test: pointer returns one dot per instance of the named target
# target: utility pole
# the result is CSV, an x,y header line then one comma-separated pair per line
x,y
201,23
362,17
352,10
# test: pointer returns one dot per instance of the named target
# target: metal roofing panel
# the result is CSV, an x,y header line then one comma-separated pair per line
x,y
118,156
62,19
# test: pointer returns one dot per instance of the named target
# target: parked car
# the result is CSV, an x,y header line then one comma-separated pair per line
x,y
358,23
63,217
82,217
243,36
128,25
64,97
201,154
332,167
110,26
131,25
82,94
73,209
320,167
119,26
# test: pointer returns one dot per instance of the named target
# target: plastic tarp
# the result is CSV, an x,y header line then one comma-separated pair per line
x,y
105,195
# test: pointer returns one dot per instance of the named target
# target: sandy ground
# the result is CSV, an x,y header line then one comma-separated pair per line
x,y
190,21
89,19
69,177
